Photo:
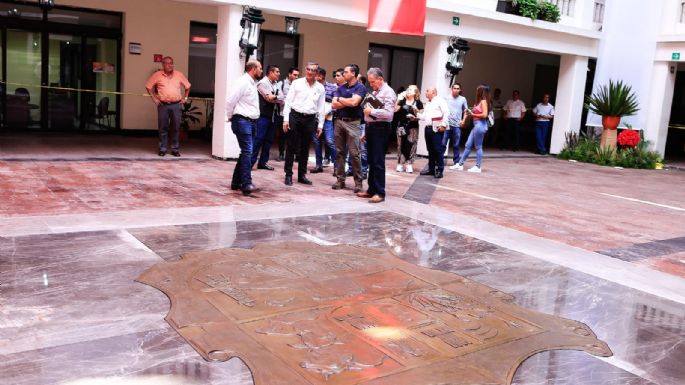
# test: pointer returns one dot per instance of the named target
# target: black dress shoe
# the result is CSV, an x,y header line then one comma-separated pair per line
x,y
265,167
288,180
249,189
161,153
438,174
426,172
303,180
235,186
316,170
175,153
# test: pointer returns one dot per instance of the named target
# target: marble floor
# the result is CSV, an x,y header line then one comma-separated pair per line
x,y
75,233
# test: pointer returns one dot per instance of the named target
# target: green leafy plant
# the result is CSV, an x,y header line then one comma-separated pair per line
x,y
583,149
613,99
549,11
189,114
527,8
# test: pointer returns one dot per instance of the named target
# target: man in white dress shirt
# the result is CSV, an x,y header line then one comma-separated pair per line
x,y
515,112
303,114
544,113
242,109
435,115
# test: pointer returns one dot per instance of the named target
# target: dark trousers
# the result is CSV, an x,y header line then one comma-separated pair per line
x,y
299,137
281,137
376,142
168,118
514,133
436,149
264,138
244,130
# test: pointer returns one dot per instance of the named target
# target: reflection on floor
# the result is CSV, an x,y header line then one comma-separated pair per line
x,y
70,312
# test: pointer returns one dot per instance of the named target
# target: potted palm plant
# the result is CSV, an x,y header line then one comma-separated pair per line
x,y
611,102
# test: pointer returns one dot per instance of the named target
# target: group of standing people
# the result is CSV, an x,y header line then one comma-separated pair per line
x,y
311,107
349,120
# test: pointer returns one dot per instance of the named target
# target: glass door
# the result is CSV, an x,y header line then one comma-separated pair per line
x,y
100,74
23,91
64,81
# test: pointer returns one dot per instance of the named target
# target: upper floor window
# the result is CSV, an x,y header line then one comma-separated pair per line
x,y
599,11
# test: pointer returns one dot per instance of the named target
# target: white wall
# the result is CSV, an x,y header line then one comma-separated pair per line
x,y
162,27
503,68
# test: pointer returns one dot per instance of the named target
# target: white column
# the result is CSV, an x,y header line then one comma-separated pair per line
x,y
627,52
659,107
229,66
569,104
434,59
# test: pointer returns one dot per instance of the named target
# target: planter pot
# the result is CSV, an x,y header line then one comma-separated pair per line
x,y
610,122
608,138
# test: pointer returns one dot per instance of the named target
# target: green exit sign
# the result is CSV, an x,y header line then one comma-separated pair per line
x,y
675,56
455,20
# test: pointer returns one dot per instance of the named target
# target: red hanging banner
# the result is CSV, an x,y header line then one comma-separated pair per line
x,y
404,17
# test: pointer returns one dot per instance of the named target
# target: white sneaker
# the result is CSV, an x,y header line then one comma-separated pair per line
x,y
399,168
474,169
457,167
409,169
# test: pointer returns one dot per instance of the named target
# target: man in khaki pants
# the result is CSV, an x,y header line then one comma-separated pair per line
x,y
346,102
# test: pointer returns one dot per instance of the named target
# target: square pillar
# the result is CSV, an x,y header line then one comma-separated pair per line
x,y
659,106
229,66
570,97
434,60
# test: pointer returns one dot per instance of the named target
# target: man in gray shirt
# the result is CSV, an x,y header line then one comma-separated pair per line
x,y
457,105
378,119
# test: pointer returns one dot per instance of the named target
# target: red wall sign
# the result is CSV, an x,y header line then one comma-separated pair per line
x,y
158,57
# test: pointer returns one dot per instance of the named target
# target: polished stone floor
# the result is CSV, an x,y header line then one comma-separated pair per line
x,y
74,234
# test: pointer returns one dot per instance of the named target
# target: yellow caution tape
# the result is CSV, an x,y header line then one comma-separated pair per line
x,y
87,90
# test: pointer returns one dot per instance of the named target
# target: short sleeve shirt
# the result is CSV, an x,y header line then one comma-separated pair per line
x,y
346,91
168,87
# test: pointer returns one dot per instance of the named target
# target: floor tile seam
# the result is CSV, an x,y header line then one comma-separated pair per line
x,y
90,222
657,248
631,275
104,336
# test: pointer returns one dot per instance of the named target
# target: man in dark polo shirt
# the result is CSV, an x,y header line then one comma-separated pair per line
x,y
346,102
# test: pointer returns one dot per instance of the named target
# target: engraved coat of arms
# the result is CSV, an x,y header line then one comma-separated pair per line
x,y
298,313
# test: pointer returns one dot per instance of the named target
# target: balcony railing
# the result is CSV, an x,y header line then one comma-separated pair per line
x,y
566,7
599,11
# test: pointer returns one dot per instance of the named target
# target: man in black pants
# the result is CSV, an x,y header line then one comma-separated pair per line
x,y
293,73
302,115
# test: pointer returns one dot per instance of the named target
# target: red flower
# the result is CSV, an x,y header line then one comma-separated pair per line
x,y
628,138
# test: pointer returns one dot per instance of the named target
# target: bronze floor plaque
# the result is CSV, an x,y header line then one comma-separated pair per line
x,y
299,313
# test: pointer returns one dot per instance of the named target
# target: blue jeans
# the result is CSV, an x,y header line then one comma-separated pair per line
x,y
436,149
480,127
363,155
329,139
376,139
244,131
453,135
541,130
264,138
